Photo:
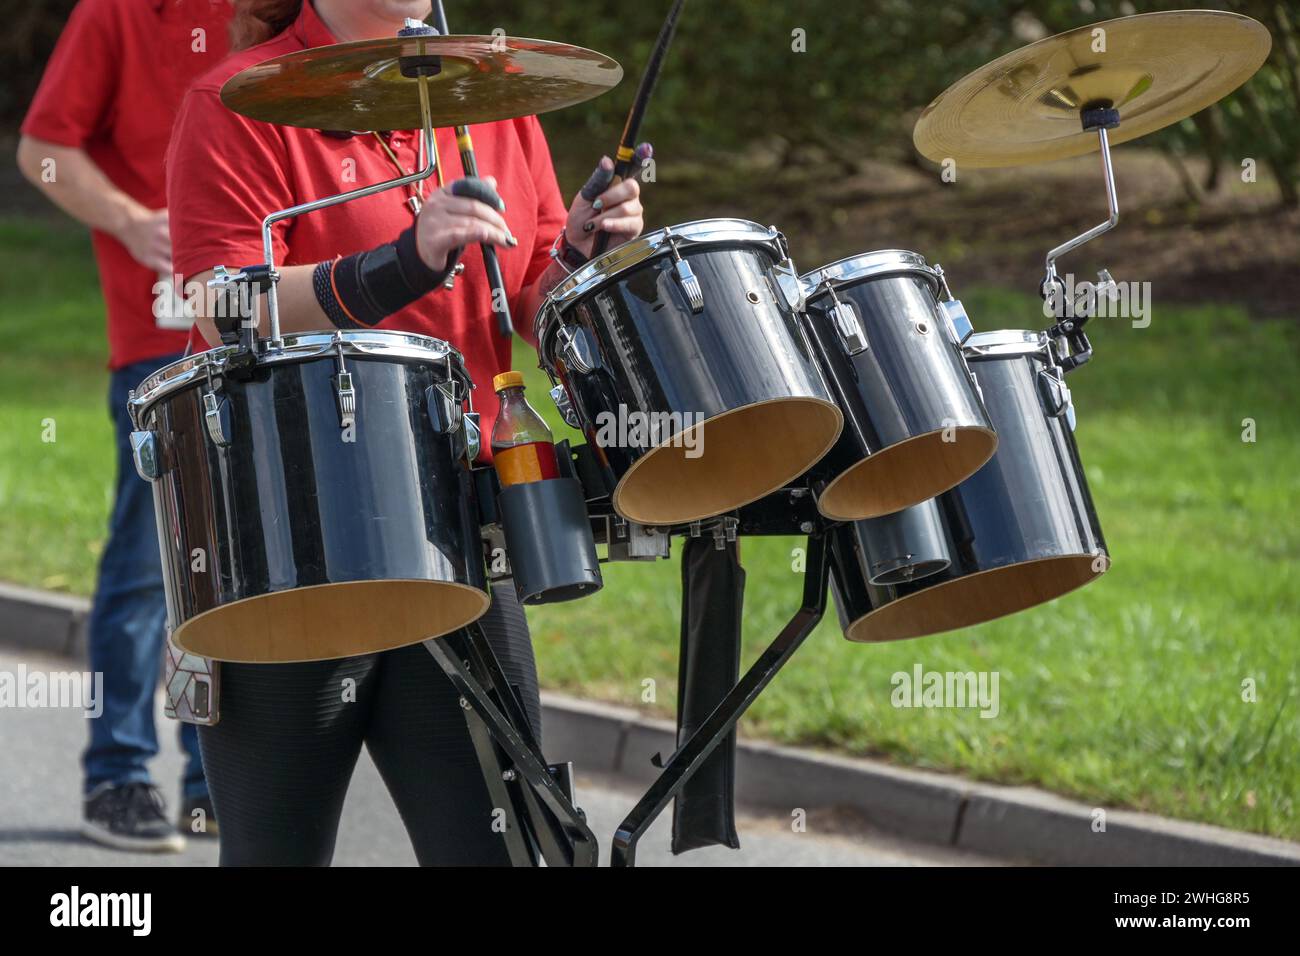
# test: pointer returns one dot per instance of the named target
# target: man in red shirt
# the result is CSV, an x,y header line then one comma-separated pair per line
x,y
94,142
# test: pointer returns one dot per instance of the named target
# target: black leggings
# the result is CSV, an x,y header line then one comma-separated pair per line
x,y
279,761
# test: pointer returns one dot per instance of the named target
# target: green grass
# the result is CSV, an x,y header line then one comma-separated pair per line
x,y
1126,693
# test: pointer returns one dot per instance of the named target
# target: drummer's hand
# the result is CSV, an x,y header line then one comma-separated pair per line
x,y
620,214
450,222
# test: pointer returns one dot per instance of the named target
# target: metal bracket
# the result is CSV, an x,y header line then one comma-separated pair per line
x,y
787,281
216,416
560,396
346,396
685,276
845,317
576,349
473,437
144,450
637,542
1050,278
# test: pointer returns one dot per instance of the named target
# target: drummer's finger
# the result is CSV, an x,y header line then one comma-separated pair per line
x,y
599,180
620,225
457,206
467,231
620,192
626,210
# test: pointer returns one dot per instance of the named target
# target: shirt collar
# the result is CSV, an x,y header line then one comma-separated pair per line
x,y
310,29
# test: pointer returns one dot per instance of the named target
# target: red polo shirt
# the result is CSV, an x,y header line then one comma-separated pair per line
x,y
227,172
112,87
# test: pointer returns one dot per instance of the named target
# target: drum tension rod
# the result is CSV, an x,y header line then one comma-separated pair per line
x,y
1099,116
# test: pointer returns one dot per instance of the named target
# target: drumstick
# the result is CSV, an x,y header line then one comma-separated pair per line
x,y
500,304
623,160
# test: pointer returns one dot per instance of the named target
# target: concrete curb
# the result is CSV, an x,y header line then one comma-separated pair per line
x,y
1014,823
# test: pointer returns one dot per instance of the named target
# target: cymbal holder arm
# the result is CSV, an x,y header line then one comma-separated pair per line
x,y
1070,327
268,250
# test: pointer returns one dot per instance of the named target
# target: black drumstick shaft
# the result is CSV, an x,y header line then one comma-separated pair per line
x,y
627,144
500,303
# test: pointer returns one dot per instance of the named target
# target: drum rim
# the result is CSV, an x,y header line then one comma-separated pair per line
x,y
621,258
1004,342
890,262
934,587
299,347
458,585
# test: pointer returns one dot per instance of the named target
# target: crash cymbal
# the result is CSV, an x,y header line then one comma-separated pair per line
x,y
359,86
1155,68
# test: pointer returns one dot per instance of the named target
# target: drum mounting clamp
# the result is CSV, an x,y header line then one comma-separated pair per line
x,y
723,529
684,275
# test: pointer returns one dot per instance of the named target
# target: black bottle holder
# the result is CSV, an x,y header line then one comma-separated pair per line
x,y
548,541
904,546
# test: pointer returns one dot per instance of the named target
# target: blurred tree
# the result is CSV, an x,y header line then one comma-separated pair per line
x,y
847,77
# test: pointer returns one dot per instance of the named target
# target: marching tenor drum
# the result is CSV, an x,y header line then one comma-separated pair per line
x,y
317,504
1019,532
682,357
914,423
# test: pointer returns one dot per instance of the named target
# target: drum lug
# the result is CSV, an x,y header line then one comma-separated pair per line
x,y
216,416
787,280
144,449
690,285
1055,395
576,350
345,393
958,322
445,412
847,324
473,437
560,396
685,276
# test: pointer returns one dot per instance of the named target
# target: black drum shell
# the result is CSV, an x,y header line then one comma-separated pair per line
x,y
290,504
1028,512
655,355
910,381
904,546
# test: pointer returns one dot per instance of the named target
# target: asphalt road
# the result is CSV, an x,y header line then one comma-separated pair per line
x,y
40,811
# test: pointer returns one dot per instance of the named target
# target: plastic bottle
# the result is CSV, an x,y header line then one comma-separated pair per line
x,y
523,449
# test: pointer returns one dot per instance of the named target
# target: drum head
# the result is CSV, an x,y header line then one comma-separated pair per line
x,y
328,621
906,473
976,598
740,456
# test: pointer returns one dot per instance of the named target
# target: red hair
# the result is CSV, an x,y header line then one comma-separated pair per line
x,y
256,21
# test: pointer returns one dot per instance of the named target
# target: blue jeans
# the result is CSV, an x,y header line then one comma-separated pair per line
x,y
128,621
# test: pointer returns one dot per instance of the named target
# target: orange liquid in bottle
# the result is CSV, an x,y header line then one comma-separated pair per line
x,y
531,461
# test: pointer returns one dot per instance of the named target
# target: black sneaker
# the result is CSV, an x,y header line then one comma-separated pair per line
x,y
129,817
202,825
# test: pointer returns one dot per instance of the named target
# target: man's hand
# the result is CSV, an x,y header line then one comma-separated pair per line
x,y
616,211
147,238
448,222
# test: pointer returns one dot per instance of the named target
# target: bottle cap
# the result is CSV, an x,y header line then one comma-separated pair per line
x,y
507,380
